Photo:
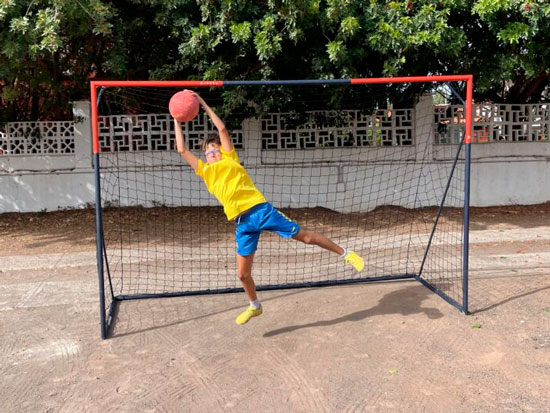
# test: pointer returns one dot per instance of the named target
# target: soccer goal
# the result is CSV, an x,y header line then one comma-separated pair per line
x,y
379,165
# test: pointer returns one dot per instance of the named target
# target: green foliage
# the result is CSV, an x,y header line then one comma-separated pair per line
x,y
50,49
267,40
349,26
515,32
240,32
487,7
336,50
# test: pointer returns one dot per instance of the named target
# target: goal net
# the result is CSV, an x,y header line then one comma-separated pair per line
x,y
379,166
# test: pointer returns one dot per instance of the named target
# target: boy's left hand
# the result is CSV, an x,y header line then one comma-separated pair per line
x,y
195,94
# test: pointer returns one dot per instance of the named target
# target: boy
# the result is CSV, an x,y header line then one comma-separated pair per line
x,y
228,181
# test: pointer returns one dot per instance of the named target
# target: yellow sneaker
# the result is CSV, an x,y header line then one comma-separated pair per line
x,y
355,260
248,314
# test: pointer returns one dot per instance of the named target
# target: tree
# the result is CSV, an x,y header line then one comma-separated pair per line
x,y
511,53
47,53
50,50
295,39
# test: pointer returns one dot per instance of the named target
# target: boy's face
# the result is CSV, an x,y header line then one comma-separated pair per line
x,y
212,153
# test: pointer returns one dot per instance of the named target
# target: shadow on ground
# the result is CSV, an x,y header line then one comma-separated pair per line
x,y
490,292
405,301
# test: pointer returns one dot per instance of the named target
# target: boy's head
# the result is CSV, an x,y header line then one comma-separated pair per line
x,y
211,148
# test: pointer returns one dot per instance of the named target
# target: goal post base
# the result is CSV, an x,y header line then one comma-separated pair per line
x,y
440,293
329,283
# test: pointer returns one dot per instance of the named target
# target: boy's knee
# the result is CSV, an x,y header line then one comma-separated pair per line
x,y
307,238
243,275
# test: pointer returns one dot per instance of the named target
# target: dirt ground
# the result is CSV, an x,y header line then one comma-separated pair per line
x,y
379,347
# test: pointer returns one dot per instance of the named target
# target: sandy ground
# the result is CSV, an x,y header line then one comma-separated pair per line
x,y
383,347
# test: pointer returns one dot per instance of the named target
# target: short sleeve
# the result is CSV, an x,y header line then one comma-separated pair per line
x,y
200,168
232,154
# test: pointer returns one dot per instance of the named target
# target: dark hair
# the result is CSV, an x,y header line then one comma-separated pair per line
x,y
212,138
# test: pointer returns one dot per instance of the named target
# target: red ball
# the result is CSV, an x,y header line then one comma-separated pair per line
x,y
184,106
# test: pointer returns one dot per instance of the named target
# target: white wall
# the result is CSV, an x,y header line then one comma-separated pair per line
x,y
50,182
50,191
503,173
510,173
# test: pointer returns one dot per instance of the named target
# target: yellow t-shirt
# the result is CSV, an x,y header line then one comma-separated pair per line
x,y
228,181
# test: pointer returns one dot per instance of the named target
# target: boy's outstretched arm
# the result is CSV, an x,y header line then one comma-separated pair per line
x,y
180,145
227,145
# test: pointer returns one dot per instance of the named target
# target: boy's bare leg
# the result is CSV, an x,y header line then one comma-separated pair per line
x,y
309,237
244,272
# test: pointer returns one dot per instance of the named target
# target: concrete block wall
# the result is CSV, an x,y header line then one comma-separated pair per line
x,y
503,173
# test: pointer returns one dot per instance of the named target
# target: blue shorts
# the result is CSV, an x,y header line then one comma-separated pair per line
x,y
261,217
